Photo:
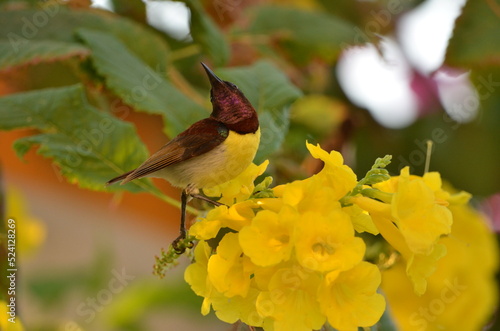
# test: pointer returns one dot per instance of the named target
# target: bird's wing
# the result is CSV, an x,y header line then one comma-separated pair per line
x,y
198,139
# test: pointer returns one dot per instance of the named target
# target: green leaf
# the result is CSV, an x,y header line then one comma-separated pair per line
x,y
33,52
134,9
54,21
138,85
384,13
206,33
472,148
271,94
348,10
89,146
304,34
274,124
475,40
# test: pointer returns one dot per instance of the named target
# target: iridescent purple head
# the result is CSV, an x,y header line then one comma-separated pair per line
x,y
230,106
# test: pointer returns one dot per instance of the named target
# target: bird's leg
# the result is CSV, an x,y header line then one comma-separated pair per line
x,y
189,192
178,244
182,230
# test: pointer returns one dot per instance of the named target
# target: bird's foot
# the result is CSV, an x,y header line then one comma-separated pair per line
x,y
181,243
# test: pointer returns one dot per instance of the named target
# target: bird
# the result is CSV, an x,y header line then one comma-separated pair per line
x,y
210,152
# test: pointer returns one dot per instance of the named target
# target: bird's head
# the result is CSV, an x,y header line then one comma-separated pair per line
x,y
230,106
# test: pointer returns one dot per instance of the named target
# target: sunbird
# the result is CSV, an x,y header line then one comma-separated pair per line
x,y
210,152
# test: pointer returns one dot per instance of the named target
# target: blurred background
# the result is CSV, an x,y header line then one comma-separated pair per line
x,y
366,78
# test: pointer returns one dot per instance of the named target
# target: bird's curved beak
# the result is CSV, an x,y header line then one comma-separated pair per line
x,y
214,80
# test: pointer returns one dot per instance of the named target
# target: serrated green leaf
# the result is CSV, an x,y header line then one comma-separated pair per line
x,y
138,85
89,146
304,34
206,33
33,52
271,94
475,41
22,146
58,23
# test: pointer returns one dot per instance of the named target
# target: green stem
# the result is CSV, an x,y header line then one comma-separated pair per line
x,y
257,38
185,52
377,194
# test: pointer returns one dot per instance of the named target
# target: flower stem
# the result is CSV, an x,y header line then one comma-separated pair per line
x,y
377,194
184,52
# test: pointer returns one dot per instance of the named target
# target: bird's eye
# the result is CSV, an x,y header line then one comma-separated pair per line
x,y
232,85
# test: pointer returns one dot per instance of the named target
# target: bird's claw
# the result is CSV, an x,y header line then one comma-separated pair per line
x,y
180,244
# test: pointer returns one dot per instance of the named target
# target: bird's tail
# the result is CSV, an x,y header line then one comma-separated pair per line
x,y
119,178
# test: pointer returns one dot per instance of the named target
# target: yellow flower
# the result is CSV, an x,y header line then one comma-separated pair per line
x,y
349,299
235,217
462,293
420,267
381,216
271,204
269,239
335,173
326,242
208,227
230,310
30,231
239,188
290,301
9,322
361,220
291,261
433,181
229,270
414,220
421,217
310,195
196,275
227,309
